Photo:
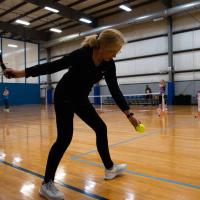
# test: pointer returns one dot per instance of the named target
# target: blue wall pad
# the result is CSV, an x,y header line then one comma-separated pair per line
x,y
97,92
21,93
170,93
50,96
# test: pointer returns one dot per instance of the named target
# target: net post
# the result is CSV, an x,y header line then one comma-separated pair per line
x,y
198,101
101,103
198,105
163,102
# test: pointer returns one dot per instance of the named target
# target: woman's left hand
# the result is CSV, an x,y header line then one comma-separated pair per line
x,y
134,121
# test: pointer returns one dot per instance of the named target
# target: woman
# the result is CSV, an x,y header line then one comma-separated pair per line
x,y
162,104
87,65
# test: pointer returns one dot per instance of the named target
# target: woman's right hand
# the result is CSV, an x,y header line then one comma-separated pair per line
x,y
13,73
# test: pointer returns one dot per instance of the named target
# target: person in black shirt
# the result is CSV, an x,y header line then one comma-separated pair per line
x,y
148,94
87,65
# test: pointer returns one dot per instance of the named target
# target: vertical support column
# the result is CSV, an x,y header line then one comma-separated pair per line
x,y
38,60
171,85
49,81
2,55
25,60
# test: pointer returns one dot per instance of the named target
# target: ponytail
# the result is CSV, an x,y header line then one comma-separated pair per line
x,y
90,41
108,37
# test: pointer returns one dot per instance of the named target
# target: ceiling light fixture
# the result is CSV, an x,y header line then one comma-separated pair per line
x,y
19,21
12,45
51,9
85,20
55,30
158,19
125,7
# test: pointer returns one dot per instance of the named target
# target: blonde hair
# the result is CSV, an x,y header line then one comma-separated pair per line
x,y
108,37
162,82
90,41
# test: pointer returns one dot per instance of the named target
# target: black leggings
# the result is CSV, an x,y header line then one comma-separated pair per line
x,y
6,103
64,118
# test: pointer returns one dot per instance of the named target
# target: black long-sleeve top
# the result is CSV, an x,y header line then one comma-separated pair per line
x,y
77,83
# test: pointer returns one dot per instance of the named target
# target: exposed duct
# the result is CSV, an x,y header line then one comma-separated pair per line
x,y
135,20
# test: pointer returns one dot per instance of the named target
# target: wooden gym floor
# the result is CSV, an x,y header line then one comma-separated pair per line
x,y
163,163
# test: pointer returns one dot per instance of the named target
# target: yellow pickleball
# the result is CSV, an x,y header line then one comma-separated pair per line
x,y
140,128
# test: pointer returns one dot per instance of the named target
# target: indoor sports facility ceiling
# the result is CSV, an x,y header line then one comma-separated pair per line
x,y
67,17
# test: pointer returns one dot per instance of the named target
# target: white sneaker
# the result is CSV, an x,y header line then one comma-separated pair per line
x,y
115,171
50,192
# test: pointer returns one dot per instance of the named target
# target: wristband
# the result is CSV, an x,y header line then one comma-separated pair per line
x,y
130,115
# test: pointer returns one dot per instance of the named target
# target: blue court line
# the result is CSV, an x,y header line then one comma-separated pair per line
x,y
77,158
116,144
122,142
144,175
164,180
84,192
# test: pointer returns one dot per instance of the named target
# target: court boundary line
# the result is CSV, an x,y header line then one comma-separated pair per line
x,y
76,189
144,175
125,141
89,194
77,158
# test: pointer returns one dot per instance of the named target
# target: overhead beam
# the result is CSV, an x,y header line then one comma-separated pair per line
x,y
135,20
25,14
26,33
12,9
167,3
49,14
64,11
109,13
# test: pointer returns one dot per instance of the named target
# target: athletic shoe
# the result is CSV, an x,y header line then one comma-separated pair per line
x,y
115,171
50,192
